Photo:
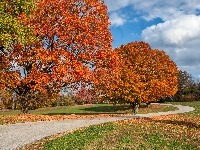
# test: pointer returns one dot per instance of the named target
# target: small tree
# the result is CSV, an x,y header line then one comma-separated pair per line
x,y
84,96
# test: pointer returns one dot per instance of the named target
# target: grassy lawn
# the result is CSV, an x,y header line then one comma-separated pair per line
x,y
92,109
171,132
134,134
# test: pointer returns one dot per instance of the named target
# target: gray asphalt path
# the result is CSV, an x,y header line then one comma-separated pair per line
x,y
14,136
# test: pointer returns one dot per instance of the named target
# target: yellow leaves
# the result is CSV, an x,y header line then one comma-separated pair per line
x,y
11,22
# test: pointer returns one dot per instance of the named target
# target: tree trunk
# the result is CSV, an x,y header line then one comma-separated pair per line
x,y
14,98
24,103
58,101
148,104
135,106
14,105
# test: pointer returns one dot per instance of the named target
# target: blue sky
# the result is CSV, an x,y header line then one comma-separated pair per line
x,y
169,25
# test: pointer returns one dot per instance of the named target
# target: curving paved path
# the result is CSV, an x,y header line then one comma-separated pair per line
x,y
18,135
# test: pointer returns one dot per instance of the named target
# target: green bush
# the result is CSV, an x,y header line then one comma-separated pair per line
x,y
188,98
65,100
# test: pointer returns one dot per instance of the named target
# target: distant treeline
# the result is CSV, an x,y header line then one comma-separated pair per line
x,y
188,89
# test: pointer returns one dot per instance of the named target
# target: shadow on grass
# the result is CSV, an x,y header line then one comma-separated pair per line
x,y
82,113
104,109
97,110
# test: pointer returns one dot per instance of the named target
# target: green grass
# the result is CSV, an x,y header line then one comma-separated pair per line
x,y
137,134
125,135
91,110
79,109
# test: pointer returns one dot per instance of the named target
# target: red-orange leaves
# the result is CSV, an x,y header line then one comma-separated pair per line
x,y
78,27
71,37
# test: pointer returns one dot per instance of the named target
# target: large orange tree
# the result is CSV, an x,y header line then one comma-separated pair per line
x,y
146,75
72,40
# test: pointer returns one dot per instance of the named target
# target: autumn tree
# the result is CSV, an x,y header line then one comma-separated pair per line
x,y
188,90
72,36
66,100
84,96
197,91
146,75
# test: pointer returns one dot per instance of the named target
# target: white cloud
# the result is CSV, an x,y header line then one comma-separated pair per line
x,y
114,5
174,32
151,9
116,20
180,38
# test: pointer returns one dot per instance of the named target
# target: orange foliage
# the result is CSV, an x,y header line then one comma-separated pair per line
x,y
146,75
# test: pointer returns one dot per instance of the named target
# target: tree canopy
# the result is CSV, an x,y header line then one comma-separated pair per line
x,y
72,40
146,75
